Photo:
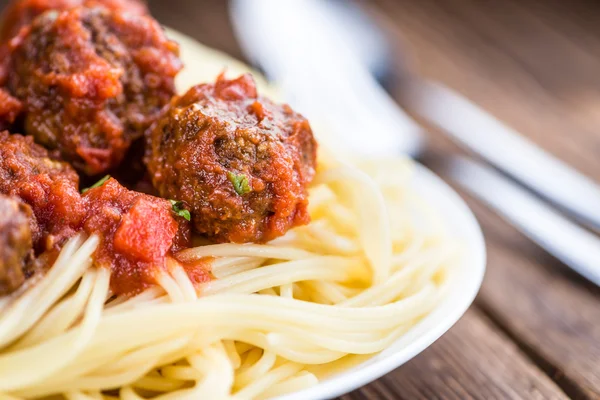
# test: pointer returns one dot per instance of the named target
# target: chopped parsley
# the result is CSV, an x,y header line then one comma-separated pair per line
x,y
179,210
97,184
240,183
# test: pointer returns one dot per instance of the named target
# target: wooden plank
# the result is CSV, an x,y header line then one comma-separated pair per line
x,y
553,314
511,63
472,361
548,310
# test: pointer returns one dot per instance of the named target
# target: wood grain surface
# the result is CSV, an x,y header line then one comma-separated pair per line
x,y
473,360
534,331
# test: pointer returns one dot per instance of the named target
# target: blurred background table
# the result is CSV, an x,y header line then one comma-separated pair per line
x,y
534,330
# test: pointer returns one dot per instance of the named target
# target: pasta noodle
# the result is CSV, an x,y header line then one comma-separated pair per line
x,y
373,262
225,340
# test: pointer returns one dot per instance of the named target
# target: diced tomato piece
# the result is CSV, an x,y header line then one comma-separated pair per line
x,y
146,231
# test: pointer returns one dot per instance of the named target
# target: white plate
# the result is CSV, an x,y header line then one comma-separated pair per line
x,y
469,274
203,65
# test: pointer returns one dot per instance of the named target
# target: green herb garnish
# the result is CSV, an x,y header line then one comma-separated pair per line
x,y
240,183
179,210
97,184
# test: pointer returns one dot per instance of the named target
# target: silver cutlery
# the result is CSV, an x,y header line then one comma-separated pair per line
x,y
562,238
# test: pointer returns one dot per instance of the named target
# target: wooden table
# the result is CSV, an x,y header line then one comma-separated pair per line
x,y
534,331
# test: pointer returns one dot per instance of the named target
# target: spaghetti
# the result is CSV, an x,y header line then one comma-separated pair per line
x,y
277,317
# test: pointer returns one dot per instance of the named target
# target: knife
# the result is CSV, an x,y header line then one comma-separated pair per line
x,y
477,131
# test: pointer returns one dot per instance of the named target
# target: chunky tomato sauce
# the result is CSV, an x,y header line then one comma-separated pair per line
x,y
48,186
138,232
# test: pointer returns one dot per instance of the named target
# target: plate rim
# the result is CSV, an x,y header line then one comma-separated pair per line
x,y
358,376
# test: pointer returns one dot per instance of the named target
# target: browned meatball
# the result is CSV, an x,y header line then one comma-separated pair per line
x,y
91,82
20,13
15,243
240,162
49,187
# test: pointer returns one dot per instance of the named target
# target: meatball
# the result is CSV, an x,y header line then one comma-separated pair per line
x,y
91,82
15,244
48,186
240,162
20,13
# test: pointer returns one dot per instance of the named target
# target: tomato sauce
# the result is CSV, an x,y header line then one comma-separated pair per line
x,y
200,271
137,234
49,187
